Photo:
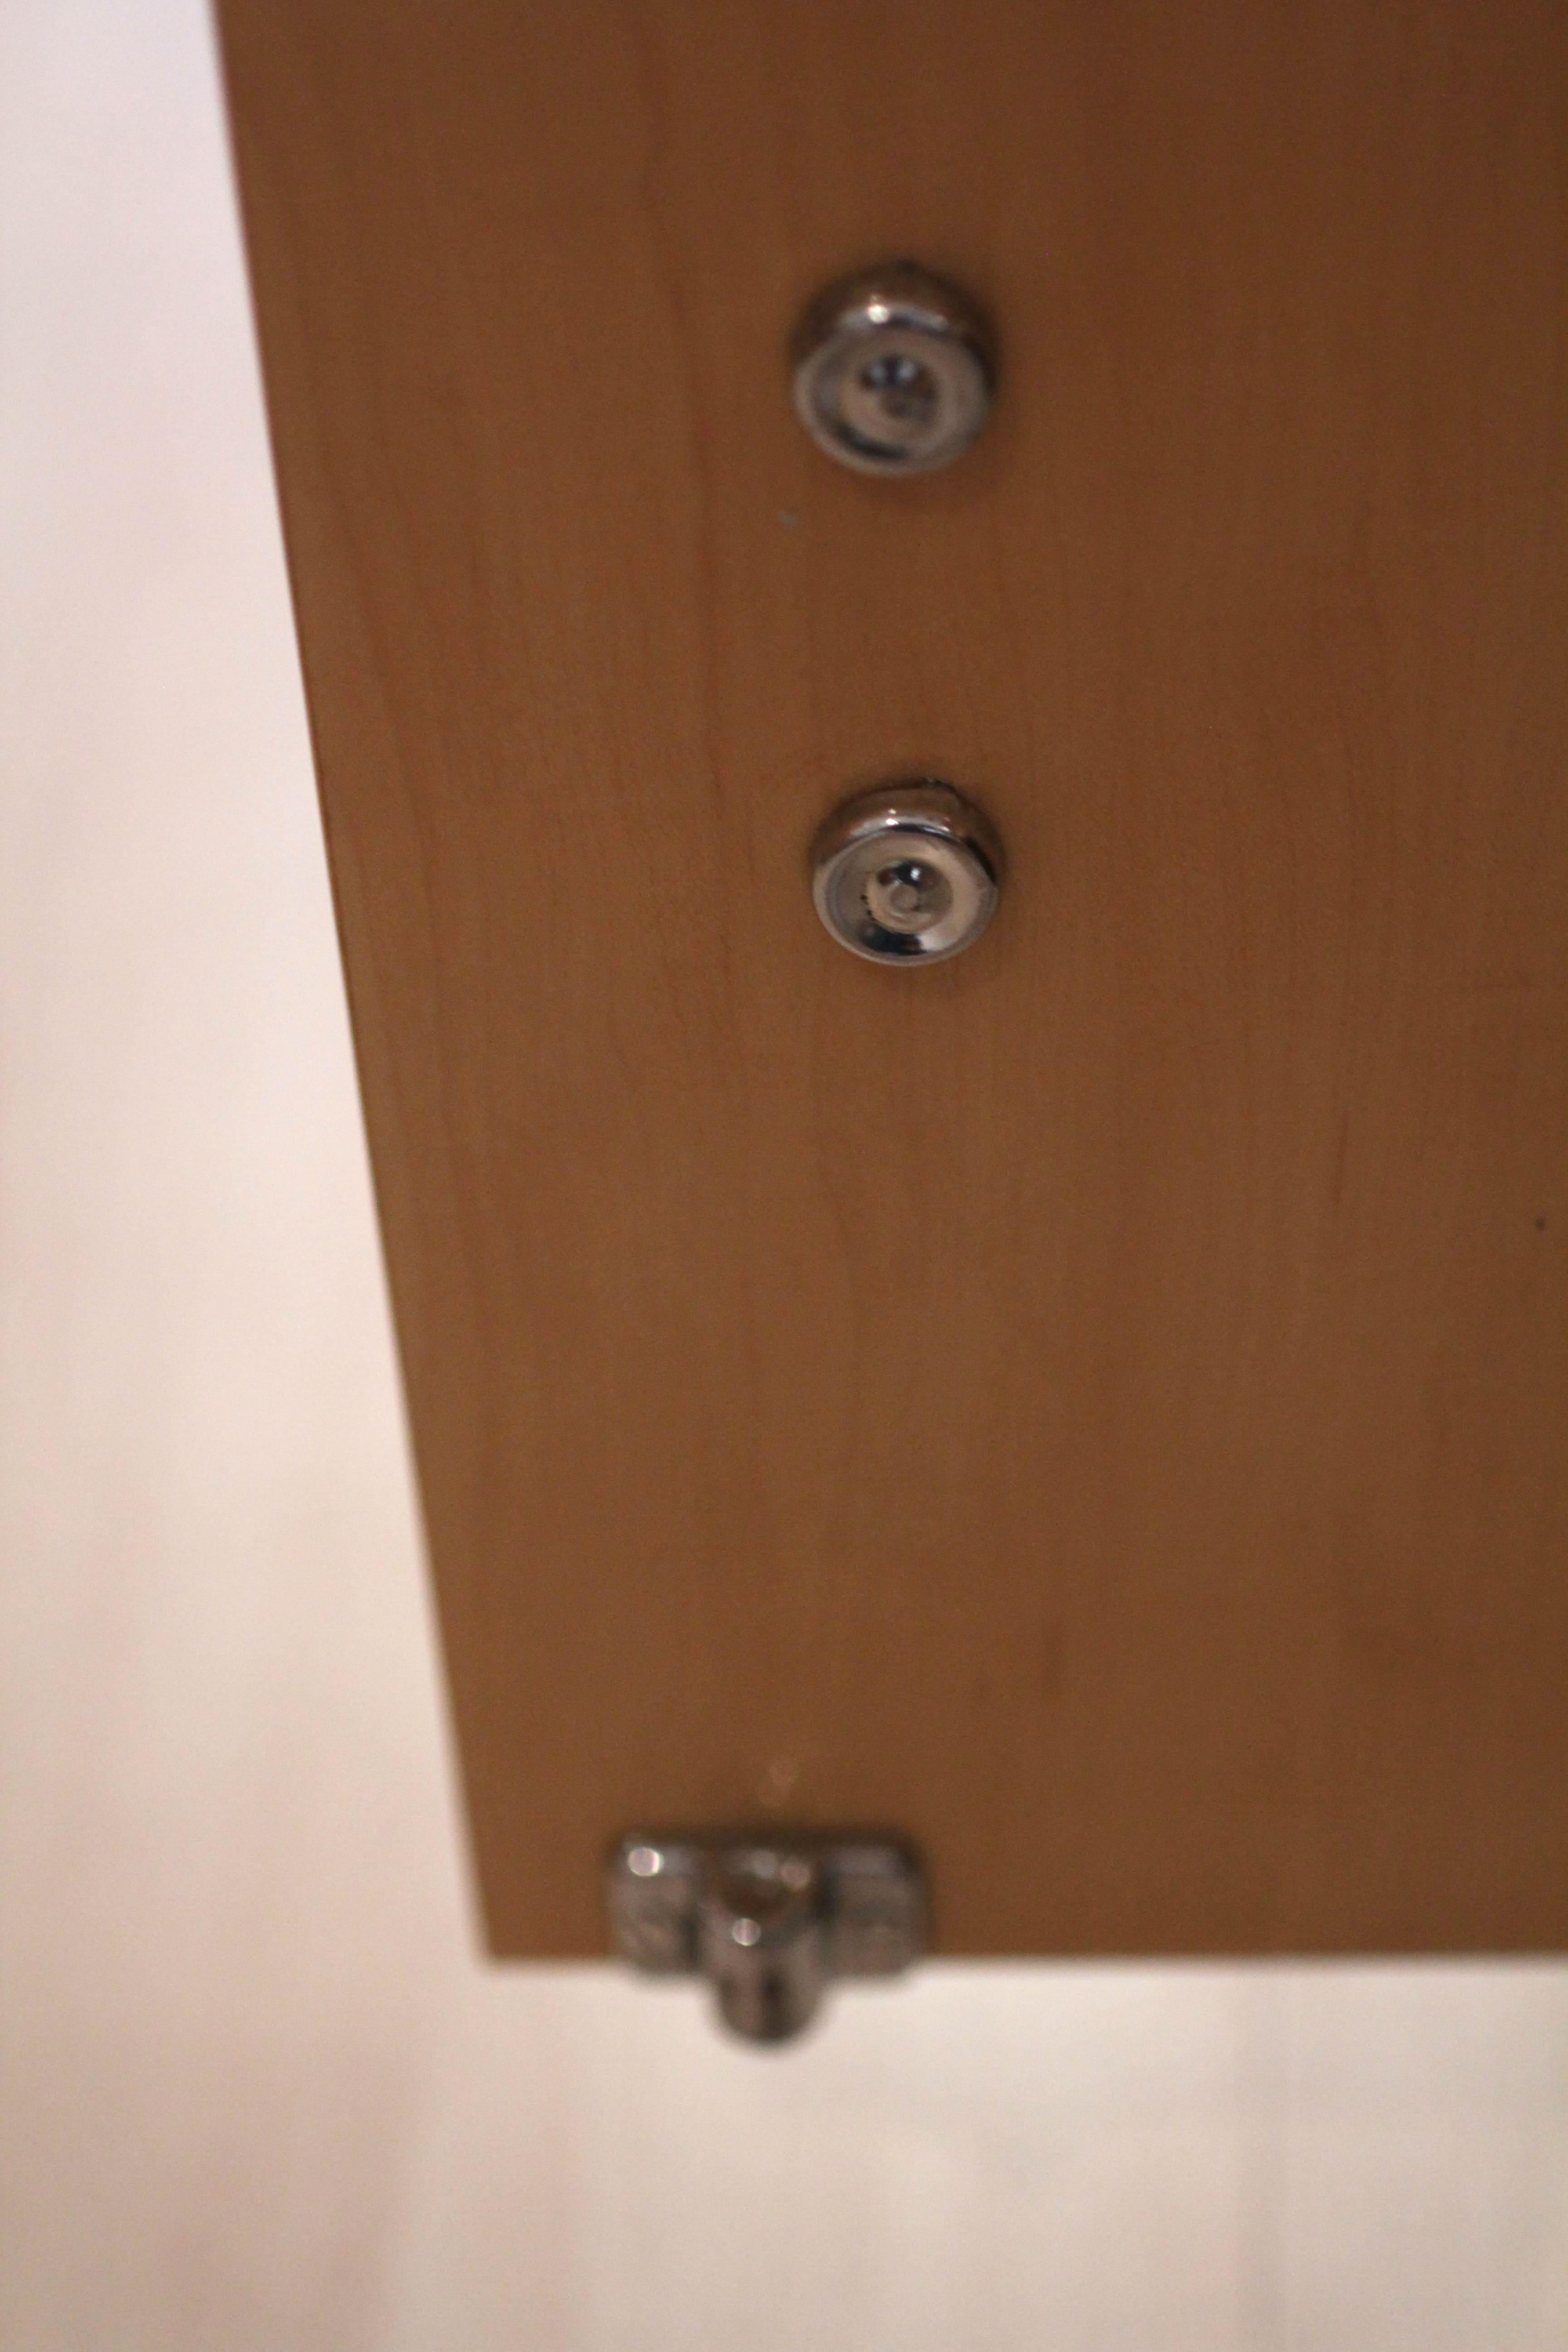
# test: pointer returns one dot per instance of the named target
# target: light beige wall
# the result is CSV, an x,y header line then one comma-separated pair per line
x,y
258,2095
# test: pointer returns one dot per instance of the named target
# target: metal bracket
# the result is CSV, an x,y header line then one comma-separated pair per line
x,y
768,1918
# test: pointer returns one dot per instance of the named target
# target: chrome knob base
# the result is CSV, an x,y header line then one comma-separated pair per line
x,y
910,872
893,371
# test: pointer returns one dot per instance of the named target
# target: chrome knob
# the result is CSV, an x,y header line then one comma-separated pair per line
x,y
908,872
763,1939
893,371
769,1918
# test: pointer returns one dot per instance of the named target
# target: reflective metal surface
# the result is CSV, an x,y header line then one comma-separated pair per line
x,y
894,370
908,872
769,1919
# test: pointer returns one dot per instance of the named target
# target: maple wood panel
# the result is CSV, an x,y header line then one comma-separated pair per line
x,y
1099,1406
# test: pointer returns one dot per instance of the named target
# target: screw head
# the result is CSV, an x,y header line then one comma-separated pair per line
x,y
893,371
910,872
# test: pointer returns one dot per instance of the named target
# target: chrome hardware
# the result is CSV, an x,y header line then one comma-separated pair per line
x,y
893,371
908,872
768,1919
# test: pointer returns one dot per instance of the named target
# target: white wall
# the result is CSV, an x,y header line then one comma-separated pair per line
x,y
258,2094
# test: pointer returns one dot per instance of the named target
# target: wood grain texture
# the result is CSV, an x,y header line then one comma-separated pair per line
x,y
1099,1406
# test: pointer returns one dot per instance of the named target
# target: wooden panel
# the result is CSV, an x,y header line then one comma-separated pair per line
x,y
1099,1406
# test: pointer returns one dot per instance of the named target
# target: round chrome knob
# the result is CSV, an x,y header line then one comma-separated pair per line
x,y
910,872
893,371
